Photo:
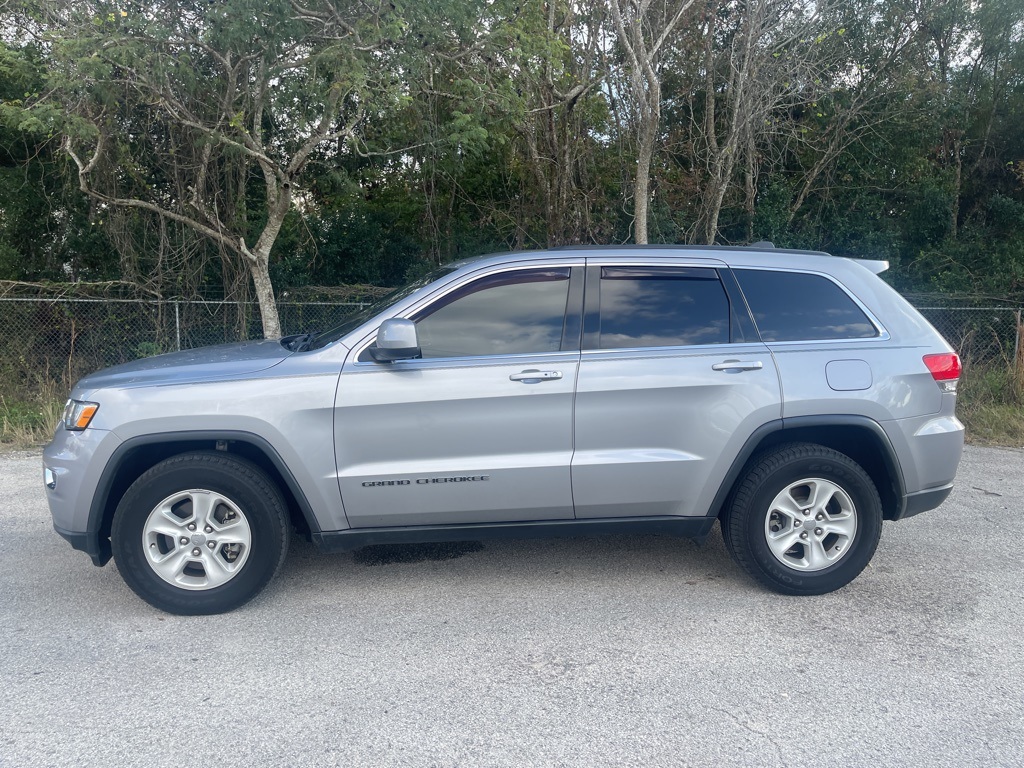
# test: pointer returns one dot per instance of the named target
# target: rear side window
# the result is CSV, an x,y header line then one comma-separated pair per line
x,y
794,306
662,307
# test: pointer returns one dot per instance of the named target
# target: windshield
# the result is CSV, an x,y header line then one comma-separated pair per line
x,y
354,321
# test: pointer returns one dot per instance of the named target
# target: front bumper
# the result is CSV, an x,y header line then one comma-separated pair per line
x,y
72,465
95,547
916,503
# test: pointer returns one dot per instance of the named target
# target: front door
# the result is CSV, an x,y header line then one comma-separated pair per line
x,y
480,429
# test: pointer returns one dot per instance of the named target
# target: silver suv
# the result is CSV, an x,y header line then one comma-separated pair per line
x,y
792,396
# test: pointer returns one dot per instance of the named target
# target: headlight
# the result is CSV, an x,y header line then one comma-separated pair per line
x,y
78,414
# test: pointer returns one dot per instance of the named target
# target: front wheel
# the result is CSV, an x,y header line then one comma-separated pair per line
x,y
804,521
200,533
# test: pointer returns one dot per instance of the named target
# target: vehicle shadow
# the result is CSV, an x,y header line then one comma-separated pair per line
x,y
388,554
503,561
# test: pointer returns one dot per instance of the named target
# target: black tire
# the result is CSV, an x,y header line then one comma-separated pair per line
x,y
252,503
815,563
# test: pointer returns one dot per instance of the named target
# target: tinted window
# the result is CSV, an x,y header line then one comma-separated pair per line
x,y
662,307
509,313
793,306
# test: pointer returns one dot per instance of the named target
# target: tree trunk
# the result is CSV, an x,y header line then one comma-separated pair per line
x,y
954,208
645,154
716,194
750,186
259,268
258,258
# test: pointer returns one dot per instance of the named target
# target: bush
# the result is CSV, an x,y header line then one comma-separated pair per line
x,y
991,404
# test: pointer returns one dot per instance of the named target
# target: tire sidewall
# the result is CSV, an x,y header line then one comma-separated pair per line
x,y
854,482
258,501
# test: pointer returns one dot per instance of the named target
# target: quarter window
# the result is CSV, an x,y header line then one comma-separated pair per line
x,y
662,307
796,306
508,313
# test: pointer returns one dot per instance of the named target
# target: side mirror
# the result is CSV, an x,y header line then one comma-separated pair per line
x,y
396,340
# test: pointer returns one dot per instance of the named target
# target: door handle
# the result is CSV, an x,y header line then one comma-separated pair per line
x,y
738,365
534,376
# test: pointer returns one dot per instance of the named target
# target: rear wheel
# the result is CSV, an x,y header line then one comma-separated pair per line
x,y
804,521
200,533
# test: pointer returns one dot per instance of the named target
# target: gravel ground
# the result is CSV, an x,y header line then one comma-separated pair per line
x,y
604,651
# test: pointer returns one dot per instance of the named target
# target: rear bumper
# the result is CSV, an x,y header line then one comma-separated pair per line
x,y
929,448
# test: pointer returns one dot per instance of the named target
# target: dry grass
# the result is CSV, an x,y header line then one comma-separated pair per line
x,y
1001,425
29,421
991,403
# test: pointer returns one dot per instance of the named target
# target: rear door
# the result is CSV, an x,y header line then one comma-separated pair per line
x,y
480,429
673,379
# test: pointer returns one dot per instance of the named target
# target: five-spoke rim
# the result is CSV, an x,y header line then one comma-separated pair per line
x,y
811,524
196,539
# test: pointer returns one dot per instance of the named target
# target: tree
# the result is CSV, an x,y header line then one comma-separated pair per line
x,y
643,28
338,140
45,230
509,96
171,108
763,63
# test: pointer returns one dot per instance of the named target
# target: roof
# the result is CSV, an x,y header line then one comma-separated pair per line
x,y
763,253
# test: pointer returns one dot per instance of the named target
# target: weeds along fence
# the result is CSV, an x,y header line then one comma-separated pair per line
x,y
51,342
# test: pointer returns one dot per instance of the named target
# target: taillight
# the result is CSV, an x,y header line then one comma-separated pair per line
x,y
945,369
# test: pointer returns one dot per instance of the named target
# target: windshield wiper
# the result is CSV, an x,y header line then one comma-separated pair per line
x,y
299,342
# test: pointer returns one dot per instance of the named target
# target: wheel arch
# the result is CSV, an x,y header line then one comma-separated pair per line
x,y
136,455
859,437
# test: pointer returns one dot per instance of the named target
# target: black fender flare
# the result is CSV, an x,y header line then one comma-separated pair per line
x,y
757,438
100,549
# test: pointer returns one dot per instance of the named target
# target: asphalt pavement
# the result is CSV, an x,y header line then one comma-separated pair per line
x,y
640,650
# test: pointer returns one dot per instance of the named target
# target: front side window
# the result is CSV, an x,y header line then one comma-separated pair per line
x,y
662,307
508,313
797,306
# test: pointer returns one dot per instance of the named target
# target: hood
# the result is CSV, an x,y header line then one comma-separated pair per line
x,y
202,364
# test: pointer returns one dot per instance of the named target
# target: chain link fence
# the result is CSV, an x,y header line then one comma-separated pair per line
x,y
47,341
986,336
59,340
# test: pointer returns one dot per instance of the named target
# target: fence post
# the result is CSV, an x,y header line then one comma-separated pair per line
x,y
177,328
1018,358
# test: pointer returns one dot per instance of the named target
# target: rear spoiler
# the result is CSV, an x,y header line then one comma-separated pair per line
x,y
876,266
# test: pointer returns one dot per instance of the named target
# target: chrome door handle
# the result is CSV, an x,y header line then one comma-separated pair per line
x,y
533,376
738,365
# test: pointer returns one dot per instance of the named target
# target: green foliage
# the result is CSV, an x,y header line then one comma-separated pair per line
x,y
905,144
148,349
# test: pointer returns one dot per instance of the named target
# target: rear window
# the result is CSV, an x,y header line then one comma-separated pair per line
x,y
662,307
795,306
